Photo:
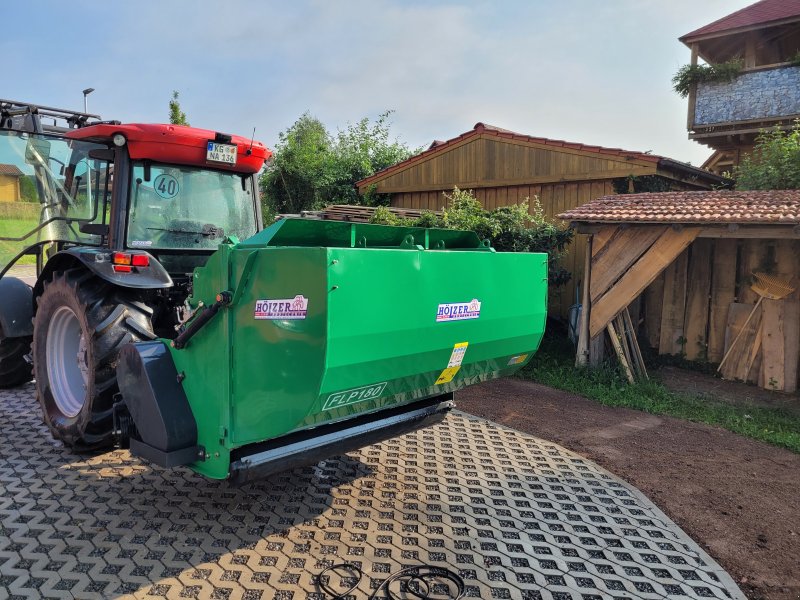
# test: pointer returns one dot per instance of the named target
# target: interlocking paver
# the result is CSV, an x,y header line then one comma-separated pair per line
x,y
518,517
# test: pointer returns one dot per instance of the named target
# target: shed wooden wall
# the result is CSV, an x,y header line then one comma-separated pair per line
x,y
489,162
554,198
686,309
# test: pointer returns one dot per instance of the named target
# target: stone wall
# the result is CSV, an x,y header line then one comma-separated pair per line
x,y
754,95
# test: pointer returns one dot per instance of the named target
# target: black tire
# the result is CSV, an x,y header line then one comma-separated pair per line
x,y
14,369
106,318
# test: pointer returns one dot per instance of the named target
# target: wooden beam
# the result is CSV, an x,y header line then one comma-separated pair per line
x,y
771,232
621,251
692,92
601,237
665,250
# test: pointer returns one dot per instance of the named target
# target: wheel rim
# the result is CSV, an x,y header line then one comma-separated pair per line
x,y
67,368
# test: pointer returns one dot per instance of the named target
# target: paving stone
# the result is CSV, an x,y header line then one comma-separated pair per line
x,y
518,517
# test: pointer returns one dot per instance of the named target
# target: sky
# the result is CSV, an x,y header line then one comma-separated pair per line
x,y
588,71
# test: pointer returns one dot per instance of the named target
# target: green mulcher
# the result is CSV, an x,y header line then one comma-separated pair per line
x,y
318,337
163,317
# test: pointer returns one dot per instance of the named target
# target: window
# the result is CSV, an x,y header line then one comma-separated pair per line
x,y
177,207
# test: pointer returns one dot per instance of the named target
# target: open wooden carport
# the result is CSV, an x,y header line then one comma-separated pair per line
x,y
682,263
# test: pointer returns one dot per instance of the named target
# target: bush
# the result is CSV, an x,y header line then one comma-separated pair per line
x,y
509,228
689,75
774,163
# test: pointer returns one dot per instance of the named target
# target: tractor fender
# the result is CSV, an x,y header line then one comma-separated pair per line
x,y
98,261
16,307
166,431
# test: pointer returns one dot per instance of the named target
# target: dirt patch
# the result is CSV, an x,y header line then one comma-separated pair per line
x,y
732,392
736,497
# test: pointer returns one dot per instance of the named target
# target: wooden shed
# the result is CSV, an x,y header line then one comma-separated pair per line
x,y
685,262
504,167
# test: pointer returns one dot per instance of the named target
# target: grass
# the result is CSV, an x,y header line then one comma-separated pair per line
x,y
553,366
16,228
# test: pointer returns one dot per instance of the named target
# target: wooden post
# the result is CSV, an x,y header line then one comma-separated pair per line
x,y
692,93
582,356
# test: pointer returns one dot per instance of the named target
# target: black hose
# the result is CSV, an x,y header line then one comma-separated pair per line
x,y
421,574
223,299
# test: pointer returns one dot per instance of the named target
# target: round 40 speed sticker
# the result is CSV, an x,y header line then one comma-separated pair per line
x,y
166,186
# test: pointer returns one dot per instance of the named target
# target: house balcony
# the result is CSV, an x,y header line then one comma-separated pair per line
x,y
726,114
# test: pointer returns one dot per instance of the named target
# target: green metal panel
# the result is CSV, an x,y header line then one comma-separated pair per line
x,y
363,334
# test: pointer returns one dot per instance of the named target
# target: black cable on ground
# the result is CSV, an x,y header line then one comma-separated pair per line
x,y
423,575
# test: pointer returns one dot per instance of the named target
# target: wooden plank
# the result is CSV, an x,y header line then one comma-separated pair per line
x,y
771,232
597,350
601,238
653,302
634,341
665,250
673,311
697,300
723,292
618,349
582,354
751,253
738,357
619,254
791,348
772,341
786,253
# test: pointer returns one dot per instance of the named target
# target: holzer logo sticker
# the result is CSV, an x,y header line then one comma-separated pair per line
x,y
458,311
283,309
368,392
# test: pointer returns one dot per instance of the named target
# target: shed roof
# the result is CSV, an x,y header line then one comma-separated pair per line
x,y
11,171
491,131
760,13
773,207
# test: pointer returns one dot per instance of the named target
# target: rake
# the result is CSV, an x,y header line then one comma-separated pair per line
x,y
766,286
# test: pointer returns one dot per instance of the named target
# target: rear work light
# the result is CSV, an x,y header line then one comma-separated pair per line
x,y
124,262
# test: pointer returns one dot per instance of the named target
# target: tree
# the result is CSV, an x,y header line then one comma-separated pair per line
x,y
298,171
774,163
509,228
176,115
311,168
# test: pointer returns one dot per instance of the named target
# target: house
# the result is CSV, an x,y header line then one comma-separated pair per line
x,y
687,262
10,176
504,167
727,115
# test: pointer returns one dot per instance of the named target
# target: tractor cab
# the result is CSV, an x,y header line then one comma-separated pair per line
x,y
173,191
178,191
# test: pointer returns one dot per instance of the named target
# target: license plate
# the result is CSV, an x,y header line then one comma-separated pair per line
x,y
221,153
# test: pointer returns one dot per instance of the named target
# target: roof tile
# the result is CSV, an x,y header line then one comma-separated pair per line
x,y
759,13
721,206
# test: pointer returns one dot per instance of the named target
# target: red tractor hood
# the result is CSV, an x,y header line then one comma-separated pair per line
x,y
176,144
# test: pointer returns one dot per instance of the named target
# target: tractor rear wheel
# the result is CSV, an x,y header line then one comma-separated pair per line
x,y
14,369
81,324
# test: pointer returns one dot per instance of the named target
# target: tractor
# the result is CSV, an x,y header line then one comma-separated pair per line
x,y
162,316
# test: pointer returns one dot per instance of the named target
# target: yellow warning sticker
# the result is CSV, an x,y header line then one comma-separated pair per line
x,y
454,364
517,360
